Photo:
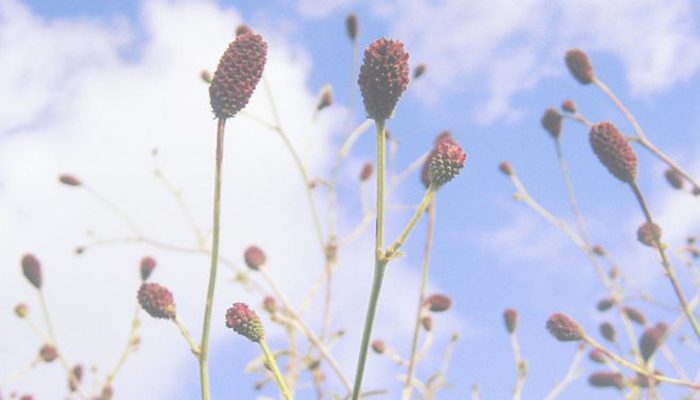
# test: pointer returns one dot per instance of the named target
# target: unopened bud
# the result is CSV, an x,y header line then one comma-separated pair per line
x,y
438,303
325,98
378,346
419,70
352,26
510,317
563,328
580,66
69,180
254,257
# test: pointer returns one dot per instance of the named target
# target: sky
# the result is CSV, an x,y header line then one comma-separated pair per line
x,y
91,88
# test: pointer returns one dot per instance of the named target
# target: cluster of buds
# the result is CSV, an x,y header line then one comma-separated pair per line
x,y
245,322
383,77
366,172
606,304
238,73
157,301
444,162
563,328
69,180
634,315
674,178
608,331
506,168
48,353
569,106
378,346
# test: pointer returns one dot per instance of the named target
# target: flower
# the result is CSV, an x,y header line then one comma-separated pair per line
x,y
674,178
552,122
608,331
148,264
254,257
48,353
31,267
438,303
446,162
564,328
606,379
69,180
245,322
580,66
614,151
352,26
510,316
378,346
649,234
383,77
156,300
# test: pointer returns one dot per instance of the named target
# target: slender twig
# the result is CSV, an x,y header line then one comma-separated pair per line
x,y
177,195
520,366
9,379
129,347
394,248
408,387
272,363
204,347
113,207
571,375
194,347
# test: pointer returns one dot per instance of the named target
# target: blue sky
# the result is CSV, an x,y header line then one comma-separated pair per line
x,y
492,70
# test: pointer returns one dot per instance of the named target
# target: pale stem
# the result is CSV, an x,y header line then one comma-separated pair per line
x,y
194,347
391,251
272,363
177,195
519,366
571,375
8,380
129,344
115,210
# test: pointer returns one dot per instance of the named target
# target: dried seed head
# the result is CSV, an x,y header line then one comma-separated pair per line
x,y
650,341
325,97
237,75
553,122
564,328
352,26
649,234
569,106
366,172
21,310
634,315
156,300
48,353
31,267
506,168
270,304
254,257
580,66
245,322
674,178
383,77
148,264
510,316
69,180
205,75
607,380
614,151
597,355
446,162
608,331
378,346
242,29
605,304
438,303
427,323
75,378
419,70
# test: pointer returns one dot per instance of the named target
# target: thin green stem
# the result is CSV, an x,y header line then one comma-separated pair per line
x,y
670,271
520,365
380,261
135,323
408,388
204,347
194,347
429,194
272,363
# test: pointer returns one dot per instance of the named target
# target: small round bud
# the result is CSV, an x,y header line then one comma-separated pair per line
x,y
206,76
607,380
674,178
352,25
605,304
634,315
21,310
157,301
649,234
31,267
569,106
510,317
563,328
245,322
270,304
419,70
48,353
614,151
383,77
438,303
148,264
650,341
378,346
506,168
446,162
597,355
254,257
608,331
598,250
552,122
69,180
427,323
325,99
367,170
580,66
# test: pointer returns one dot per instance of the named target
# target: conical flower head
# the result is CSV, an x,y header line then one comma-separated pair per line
x,y
383,77
237,75
31,268
254,257
156,300
245,322
446,162
650,341
649,234
552,122
438,302
564,328
614,151
580,66
608,331
607,380
674,178
634,315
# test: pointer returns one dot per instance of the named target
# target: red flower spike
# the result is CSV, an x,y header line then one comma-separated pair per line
x,y
383,77
614,151
563,328
605,304
237,75
31,267
148,264
367,170
270,304
597,355
650,341
245,322
419,70
674,178
569,106
254,257
446,162
553,122
157,301
580,66
506,168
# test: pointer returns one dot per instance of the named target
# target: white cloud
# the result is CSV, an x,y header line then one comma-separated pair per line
x,y
77,106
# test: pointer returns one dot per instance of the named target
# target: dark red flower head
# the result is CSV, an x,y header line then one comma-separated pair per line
x,y
569,106
31,267
634,315
438,303
383,77
378,346
69,180
254,257
608,331
614,151
674,178
580,66
366,172
506,168
649,234
564,328
446,162
605,304
607,380
48,353
553,122
597,355
419,70
148,264
352,25
245,322
510,317
650,341
156,300
237,75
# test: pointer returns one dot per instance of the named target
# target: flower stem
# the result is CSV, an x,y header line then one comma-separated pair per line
x,y
204,348
429,194
272,363
380,260
670,272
